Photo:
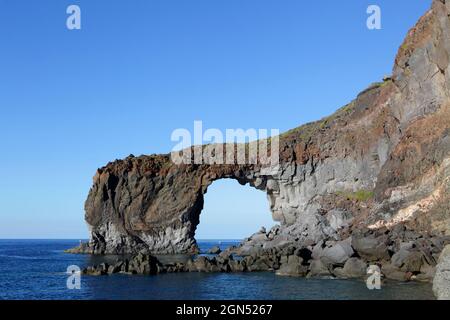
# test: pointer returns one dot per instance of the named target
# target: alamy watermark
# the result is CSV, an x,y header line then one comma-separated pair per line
x,y
74,278
235,146
373,282
374,20
73,22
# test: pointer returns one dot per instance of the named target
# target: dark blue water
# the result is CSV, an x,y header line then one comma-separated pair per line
x,y
36,269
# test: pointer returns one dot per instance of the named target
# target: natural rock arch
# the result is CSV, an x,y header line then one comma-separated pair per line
x,y
391,142
157,207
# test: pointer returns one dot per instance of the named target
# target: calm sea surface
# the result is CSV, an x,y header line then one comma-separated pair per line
x,y
36,269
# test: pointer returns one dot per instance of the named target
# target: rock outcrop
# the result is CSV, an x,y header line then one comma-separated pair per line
x,y
441,282
403,254
370,178
409,263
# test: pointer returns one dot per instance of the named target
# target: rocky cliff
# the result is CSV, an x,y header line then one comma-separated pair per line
x,y
380,165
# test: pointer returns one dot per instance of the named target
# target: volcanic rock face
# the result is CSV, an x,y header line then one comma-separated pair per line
x,y
441,282
379,162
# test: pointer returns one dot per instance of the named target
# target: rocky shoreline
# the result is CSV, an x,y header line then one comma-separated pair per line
x,y
401,254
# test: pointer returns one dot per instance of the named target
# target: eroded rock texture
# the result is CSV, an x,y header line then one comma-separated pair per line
x,y
380,161
441,282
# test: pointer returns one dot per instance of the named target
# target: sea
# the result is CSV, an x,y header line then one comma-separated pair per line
x,y
37,270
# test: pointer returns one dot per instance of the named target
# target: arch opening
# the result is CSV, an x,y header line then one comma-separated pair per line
x,y
232,211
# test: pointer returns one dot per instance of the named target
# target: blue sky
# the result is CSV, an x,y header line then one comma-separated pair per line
x,y
71,101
